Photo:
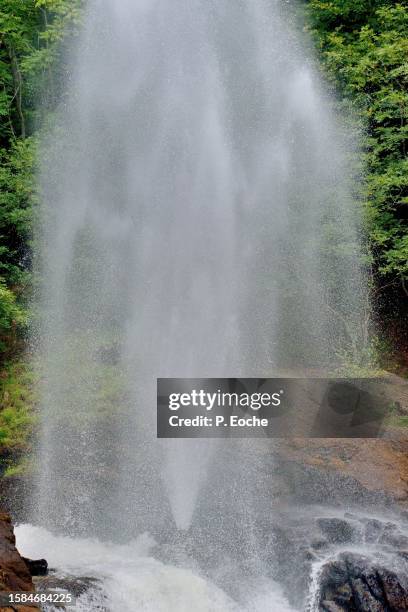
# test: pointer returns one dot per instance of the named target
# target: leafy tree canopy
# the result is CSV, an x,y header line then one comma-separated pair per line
x,y
364,49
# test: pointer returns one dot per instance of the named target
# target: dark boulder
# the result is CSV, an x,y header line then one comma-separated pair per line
x,y
354,583
36,567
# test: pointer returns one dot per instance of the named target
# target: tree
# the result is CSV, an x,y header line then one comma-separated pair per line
x,y
31,35
364,48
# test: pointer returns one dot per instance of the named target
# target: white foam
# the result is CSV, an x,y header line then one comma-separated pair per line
x,y
132,580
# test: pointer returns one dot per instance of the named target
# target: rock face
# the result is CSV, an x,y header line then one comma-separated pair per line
x,y
354,583
376,468
14,573
336,530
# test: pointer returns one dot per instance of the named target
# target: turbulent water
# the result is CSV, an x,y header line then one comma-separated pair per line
x,y
197,222
128,578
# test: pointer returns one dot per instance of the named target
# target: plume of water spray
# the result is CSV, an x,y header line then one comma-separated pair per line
x,y
197,223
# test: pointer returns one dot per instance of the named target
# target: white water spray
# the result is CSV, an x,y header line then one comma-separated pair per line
x,y
197,223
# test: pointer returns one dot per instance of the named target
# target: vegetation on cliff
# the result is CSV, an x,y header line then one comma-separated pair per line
x,y
363,47
32,33
17,415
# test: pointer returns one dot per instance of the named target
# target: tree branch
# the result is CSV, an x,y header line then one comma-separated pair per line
x,y
18,87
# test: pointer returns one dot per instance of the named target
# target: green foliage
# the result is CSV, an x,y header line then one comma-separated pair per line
x,y
42,67
20,468
32,33
13,318
364,51
17,196
397,421
17,416
19,21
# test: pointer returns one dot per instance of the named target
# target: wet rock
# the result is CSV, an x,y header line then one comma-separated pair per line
x,y
354,582
337,531
363,599
319,544
396,595
317,470
330,606
392,536
343,594
309,484
77,585
14,573
36,567
373,530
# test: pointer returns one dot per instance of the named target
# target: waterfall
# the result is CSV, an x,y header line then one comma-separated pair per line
x,y
197,222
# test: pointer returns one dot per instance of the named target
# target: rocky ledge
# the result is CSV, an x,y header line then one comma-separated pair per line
x,y
14,571
354,582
